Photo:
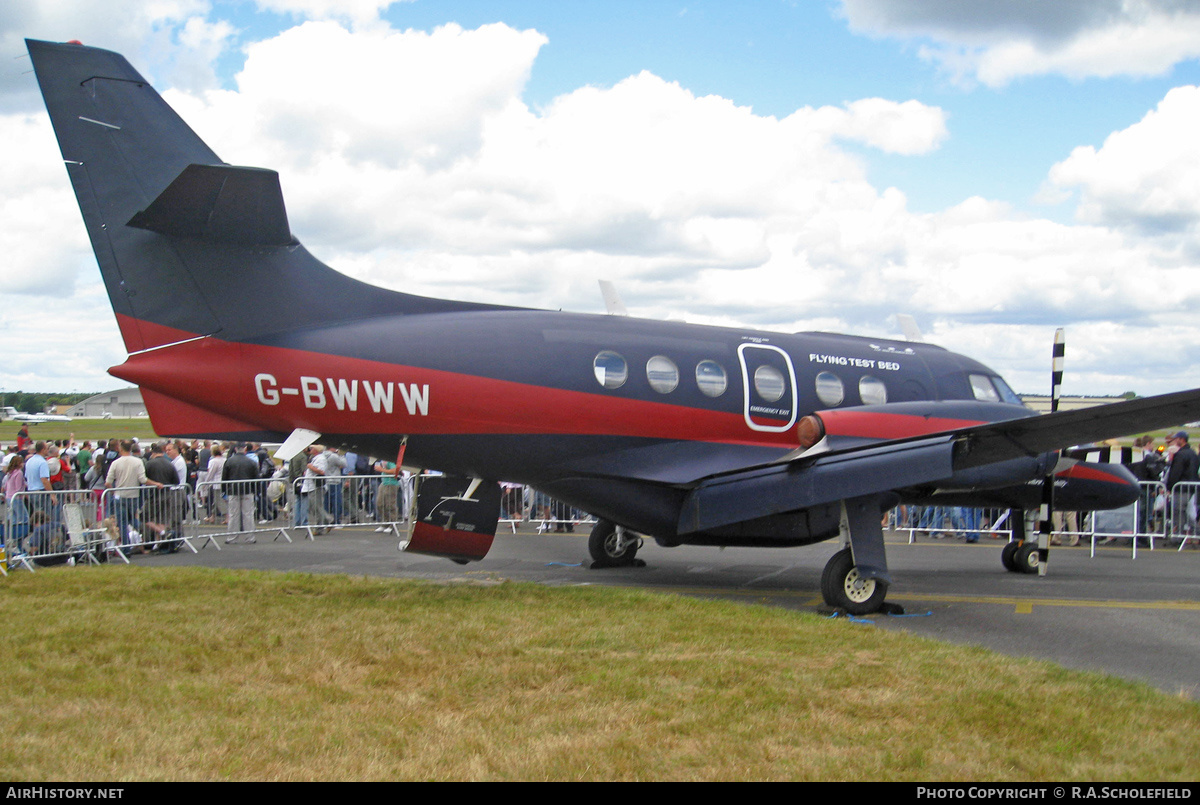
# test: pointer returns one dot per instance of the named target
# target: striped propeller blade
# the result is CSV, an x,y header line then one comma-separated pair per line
x,y
1046,512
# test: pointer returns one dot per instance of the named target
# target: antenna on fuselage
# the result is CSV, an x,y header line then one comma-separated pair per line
x,y
612,299
908,326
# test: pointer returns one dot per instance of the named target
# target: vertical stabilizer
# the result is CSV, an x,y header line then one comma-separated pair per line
x,y
123,145
188,245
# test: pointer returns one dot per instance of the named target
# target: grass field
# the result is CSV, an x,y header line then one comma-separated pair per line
x,y
89,429
127,673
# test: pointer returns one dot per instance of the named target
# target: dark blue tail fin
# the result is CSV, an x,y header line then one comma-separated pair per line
x,y
187,244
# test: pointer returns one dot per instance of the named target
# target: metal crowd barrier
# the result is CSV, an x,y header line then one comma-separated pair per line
x,y
551,514
1141,520
140,518
277,505
948,519
71,526
87,525
51,527
1151,517
1181,511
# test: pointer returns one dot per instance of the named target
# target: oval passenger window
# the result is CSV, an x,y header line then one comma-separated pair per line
x,y
830,390
611,369
662,373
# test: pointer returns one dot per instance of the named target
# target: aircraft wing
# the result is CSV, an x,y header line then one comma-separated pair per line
x,y
882,466
1002,440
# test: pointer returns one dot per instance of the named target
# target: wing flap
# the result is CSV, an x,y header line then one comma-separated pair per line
x,y
764,491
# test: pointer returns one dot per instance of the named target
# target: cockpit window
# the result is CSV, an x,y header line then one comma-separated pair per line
x,y
982,387
1006,393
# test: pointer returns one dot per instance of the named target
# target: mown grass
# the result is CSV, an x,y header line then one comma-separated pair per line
x,y
123,673
83,428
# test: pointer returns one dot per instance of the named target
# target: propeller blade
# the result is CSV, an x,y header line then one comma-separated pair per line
x,y
1046,512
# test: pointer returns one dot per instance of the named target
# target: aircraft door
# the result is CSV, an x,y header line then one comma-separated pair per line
x,y
769,387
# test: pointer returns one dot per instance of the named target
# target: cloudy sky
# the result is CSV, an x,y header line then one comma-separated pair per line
x,y
995,169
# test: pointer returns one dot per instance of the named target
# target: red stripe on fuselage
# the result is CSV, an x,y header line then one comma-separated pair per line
x,y
172,417
220,376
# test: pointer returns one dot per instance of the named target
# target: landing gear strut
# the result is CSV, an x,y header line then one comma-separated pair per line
x,y
856,578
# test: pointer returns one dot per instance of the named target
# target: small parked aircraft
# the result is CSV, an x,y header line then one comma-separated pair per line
x,y
8,412
687,434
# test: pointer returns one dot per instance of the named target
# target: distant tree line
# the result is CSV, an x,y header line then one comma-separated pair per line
x,y
34,402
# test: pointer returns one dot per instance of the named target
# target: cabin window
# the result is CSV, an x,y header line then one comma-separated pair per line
x,y
611,369
662,373
711,378
872,391
769,383
983,389
830,390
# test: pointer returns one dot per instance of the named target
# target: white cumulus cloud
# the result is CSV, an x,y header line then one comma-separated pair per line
x,y
997,41
1146,176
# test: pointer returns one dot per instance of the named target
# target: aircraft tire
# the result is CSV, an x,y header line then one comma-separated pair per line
x,y
843,589
602,544
1008,556
1026,558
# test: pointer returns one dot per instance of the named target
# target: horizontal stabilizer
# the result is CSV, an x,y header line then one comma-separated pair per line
x,y
221,203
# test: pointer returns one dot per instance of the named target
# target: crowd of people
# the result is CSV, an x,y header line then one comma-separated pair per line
x,y
153,489
142,494
1167,465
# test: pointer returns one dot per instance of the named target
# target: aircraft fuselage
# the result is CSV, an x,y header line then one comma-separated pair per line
x,y
614,415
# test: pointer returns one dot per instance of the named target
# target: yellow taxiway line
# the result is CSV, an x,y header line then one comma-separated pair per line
x,y
1025,605
1022,605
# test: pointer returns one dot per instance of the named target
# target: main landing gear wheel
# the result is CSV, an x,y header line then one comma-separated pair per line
x,y
611,545
1020,557
843,587
1008,556
1026,558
